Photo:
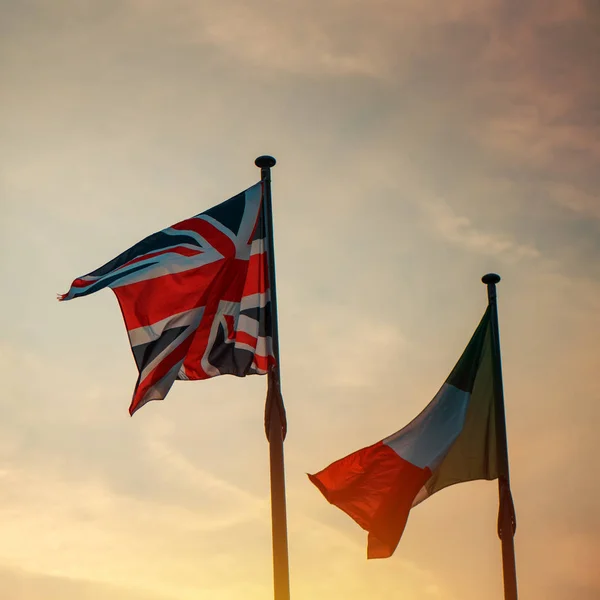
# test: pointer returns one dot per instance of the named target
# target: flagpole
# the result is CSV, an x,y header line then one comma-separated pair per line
x,y
507,523
275,420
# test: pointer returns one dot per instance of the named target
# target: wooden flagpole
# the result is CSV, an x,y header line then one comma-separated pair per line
x,y
275,420
507,523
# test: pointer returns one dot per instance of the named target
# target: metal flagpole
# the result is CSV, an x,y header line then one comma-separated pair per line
x,y
275,420
507,522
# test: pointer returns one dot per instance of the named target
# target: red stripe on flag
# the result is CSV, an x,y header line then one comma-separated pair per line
x,y
193,359
257,281
376,488
81,283
263,362
219,240
230,322
181,250
242,337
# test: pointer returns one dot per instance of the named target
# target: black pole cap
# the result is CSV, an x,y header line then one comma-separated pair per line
x,y
265,162
490,278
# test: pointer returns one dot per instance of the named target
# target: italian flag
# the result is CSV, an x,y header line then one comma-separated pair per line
x,y
451,441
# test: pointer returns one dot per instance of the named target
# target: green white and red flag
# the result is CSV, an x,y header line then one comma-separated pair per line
x,y
452,440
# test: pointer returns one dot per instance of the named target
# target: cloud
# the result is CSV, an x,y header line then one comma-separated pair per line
x,y
353,350
581,202
309,38
460,231
81,529
18,584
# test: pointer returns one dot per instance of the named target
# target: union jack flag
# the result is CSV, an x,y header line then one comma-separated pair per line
x,y
195,297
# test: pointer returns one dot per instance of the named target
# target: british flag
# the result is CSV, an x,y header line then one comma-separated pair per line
x,y
195,297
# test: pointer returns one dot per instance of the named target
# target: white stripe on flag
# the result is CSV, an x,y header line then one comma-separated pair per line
x,y
425,441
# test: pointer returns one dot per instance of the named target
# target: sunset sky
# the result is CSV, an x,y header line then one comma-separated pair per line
x,y
420,144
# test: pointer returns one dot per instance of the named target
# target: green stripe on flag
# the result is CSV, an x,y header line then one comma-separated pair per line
x,y
473,454
464,373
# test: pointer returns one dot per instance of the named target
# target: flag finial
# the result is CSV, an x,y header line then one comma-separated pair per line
x,y
265,161
489,278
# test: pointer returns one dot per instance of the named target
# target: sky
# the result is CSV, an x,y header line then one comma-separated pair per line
x,y
420,145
